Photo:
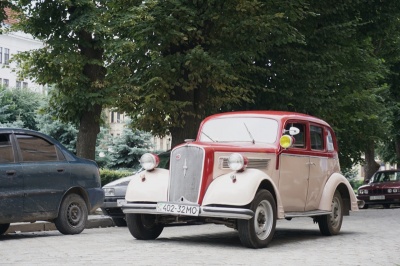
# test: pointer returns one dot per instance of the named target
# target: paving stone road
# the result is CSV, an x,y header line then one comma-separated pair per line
x,y
368,237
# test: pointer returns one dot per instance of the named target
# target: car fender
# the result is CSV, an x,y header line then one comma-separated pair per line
x,y
337,181
148,186
236,188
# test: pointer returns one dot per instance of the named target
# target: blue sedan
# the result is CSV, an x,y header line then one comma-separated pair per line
x,y
40,180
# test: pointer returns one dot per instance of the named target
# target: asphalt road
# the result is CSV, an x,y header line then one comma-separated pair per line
x,y
368,237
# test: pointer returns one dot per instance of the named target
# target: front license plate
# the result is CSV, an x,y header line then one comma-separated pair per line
x,y
377,197
191,210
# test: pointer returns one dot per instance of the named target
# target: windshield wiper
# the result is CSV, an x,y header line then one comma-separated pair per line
x,y
207,136
248,131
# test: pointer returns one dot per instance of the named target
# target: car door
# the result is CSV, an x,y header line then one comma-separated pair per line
x,y
46,173
319,166
294,170
11,182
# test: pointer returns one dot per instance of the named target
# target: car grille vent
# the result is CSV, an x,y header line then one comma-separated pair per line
x,y
253,163
185,174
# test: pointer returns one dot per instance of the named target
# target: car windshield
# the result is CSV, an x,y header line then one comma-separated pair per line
x,y
240,129
386,176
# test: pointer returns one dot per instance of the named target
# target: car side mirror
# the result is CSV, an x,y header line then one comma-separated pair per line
x,y
293,131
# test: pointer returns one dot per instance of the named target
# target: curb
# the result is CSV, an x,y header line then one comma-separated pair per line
x,y
94,221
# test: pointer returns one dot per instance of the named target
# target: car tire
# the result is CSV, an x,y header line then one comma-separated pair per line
x,y
120,222
366,206
330,224
259,230
144,226
72,215
4,228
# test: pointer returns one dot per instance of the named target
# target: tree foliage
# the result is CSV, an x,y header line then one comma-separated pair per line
x,y
19,105
187,59
72,60
123,151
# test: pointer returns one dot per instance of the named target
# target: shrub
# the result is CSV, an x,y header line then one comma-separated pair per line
x,y
108,175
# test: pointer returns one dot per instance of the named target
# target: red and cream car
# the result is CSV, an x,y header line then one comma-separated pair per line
x,y
244,170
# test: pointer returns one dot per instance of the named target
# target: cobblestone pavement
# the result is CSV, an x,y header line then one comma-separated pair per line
x,y
368,237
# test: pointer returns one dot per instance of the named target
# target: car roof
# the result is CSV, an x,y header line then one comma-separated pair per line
x,y
278,115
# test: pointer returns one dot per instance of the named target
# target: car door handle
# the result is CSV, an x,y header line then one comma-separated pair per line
x,y
310,163
11,172
60,170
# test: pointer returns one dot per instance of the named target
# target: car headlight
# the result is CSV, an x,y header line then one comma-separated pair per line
x,y
360,192
109,192
390,190
395,190
237,162
149,161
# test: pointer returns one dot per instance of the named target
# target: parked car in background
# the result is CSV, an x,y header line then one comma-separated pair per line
x,y
115,191
245,170
383,189
40,180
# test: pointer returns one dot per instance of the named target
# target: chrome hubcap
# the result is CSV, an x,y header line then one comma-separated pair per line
x,y
263,220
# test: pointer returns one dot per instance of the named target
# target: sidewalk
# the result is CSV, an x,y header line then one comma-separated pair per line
x,y
94,221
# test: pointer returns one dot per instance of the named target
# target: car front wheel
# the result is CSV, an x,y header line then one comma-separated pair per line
x,y
330,224
72,215
259,230
4,228
144,226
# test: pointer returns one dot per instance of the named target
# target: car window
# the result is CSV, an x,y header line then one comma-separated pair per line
x,y
317,138
6,150
386,176
329,142
299,139
35,149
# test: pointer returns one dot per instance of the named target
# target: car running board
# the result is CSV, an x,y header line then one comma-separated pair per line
x,y
306,214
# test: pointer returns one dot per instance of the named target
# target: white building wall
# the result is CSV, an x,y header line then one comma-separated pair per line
x,y
17,42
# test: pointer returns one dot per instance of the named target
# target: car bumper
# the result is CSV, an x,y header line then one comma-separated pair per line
x,y
96,198
205,211
389,199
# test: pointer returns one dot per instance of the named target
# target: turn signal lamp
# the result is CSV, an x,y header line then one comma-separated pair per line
x,y
237,162
149,161
286,141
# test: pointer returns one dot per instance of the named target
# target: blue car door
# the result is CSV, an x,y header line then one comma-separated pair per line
x,y
46,174
11,182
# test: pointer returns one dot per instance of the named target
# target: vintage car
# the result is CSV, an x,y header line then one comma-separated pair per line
x,y
382,189
244,170
40,180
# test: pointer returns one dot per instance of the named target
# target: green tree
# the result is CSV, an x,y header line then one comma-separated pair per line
x,y
186,59
123,151
72,60
19,105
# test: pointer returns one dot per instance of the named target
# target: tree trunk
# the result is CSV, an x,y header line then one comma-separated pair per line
x,y
89,127
189,131
397,145
371,166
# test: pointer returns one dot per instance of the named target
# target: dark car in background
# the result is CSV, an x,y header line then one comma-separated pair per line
x,y
40,180
383,189
116,190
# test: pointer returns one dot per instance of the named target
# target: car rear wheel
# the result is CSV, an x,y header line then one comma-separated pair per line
x,y
259,230
72,215
144,226
4,228
330,224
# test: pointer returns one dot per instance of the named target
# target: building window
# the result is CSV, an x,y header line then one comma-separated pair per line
x,y
1,55
6,56
112,117
18,84
118,118
6,82
25,85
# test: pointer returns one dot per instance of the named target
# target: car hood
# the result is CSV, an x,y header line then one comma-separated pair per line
x,y
119,181
388,184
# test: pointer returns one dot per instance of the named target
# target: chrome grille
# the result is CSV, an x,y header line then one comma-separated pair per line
x,y
186,171
253,163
